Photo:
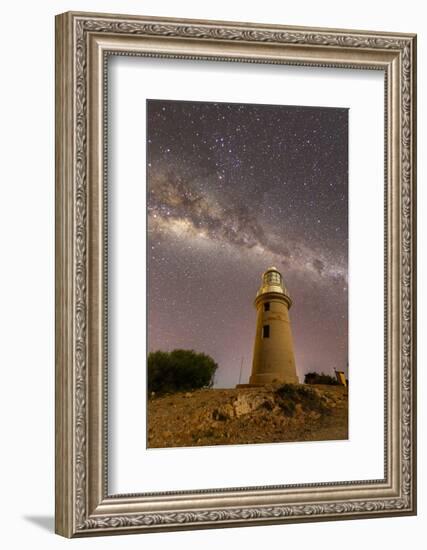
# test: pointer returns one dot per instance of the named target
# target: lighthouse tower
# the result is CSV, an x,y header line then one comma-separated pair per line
x,y
274,359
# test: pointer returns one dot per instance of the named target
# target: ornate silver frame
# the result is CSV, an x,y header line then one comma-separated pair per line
x,y
83,505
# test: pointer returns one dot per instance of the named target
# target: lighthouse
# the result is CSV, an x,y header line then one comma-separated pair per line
x,y
274,358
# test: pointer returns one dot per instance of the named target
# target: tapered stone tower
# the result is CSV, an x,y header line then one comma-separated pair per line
x,y
274,359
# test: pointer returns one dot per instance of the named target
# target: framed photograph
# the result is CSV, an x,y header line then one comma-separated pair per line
x,y
235,274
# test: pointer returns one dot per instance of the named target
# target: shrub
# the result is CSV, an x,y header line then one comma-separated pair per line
x,y
289,395
179,370
322,378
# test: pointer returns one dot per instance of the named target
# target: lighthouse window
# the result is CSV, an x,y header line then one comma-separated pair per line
x,y
266,331
267,306
274,278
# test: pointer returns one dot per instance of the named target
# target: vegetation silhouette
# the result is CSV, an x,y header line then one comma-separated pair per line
x,y
322,378
179,370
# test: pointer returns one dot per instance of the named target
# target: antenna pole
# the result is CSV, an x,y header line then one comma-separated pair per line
x,y
240,373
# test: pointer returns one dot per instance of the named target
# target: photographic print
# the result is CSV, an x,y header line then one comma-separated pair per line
x,y
247,273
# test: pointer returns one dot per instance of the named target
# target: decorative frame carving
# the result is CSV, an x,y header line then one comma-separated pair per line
x,y
83,42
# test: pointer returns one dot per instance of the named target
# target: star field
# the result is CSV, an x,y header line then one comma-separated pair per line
x,y
233,189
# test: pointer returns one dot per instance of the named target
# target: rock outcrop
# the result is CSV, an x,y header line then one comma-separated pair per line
x,y
248,415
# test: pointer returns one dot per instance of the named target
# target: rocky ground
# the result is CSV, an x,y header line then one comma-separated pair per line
x,y
248,415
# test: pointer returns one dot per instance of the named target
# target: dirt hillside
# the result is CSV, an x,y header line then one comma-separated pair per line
x,y
248,415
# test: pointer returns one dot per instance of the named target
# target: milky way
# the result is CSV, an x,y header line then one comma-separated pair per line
x,y
232,190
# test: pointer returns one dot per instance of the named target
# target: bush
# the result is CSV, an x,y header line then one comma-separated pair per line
x,y
179,370
322,378
290,395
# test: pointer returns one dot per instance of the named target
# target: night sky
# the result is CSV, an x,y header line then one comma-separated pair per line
x,y
232,190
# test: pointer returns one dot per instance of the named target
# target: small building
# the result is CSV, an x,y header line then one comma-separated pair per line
x,y
341,379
